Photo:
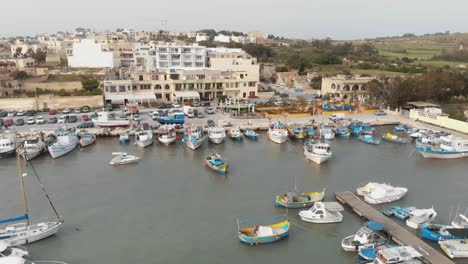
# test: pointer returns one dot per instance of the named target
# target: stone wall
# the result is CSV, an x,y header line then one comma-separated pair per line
x,y
442,121
50,101
68,86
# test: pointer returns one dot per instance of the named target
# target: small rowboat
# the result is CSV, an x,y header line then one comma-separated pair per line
x,y
369,139
235,134
124,138
215,162
393,138
250,134
299,200
264,234
401,127
86,139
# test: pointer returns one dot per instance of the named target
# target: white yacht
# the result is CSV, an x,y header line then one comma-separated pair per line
x,y
167,134
216,134
317,151
382,193
323,213
193,137
277,133
106,119
123,158
66,140
144,137
420,217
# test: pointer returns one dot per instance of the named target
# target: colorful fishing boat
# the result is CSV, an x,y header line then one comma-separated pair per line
x,y
296,132
343,132
391,211
356,128
216,162
250,134
455,248
235,134
401,128
369,139
193,137
367,128
295,199
65,141
326,131
86,139
310,131
449,148
411,130
394,138
124,138
263,234
318,151
167,134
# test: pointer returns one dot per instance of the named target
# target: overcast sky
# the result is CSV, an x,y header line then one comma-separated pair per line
x,y
338,19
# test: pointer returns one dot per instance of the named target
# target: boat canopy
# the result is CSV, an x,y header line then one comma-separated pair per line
x,y
216,161
14,219
376,226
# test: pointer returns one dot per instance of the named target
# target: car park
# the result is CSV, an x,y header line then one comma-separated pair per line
x,y
40,120
21,113
66,111
52,112
52,120
72,119
19,122
85,125
380,113
85,109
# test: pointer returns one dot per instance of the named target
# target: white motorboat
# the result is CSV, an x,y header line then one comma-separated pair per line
x,y
144,137
322,213
7,145
33,145
193,137
384,193
317,151
167,134
449,148
455,248
367,236
216,134
66,140
420,217
106,119
401,255
123,158
8,251
20,260
21,230
277,133
460,221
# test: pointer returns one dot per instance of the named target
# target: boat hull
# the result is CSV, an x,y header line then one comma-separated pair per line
x,y
347,244
113,123
85,143
7,154
124,140
32,236
195,144
31,154
251,136
279,139
56,152
327,220
319,159
216,140
432,154
145,143
434,235
167,140
452,251
220,169
388,199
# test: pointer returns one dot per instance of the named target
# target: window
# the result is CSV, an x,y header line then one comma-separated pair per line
x,y
157,87
140,77
251,84
107,89
158,96
113,89
178,87
191,86
129,88
167,87
134,87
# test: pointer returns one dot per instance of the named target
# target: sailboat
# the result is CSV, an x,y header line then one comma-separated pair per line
x,y
26,231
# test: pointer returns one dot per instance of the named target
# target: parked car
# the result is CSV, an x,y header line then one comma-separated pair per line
x,y
136,118
176,105
210,123
199,114
85,125
3,114
380,113
85,118
31,121
19,122
196,103
205,104
209,110
8,122
66,111
72,119
62,119
77,111
337,117
21,113
11,114
52,120
45,110
30,113
52,112
85,109
40,120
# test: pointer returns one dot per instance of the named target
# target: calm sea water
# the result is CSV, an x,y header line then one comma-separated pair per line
x,y
170,208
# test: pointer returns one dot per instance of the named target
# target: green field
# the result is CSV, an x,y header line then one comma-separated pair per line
x,y
413,51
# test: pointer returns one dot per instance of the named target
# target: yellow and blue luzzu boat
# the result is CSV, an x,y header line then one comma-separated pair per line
x,y
299,200
264,234
296,132
394,138
215,162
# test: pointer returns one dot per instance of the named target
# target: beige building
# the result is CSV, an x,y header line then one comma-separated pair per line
x,y
346,86
179,85
225,59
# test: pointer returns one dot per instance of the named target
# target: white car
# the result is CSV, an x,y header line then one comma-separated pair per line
x,y
77,111
176,105
21,113
136,118
31,121
62,119
40,120
66,111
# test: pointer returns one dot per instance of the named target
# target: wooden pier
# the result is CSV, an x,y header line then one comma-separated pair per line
x,y
398,233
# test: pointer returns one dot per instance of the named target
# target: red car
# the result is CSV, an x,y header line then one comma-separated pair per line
x,y
84,118
8,122
52,112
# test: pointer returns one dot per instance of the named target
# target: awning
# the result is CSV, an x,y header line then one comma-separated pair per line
x,y
120,98
187,95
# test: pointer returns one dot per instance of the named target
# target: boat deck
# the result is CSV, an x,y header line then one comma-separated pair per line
x,y
399,234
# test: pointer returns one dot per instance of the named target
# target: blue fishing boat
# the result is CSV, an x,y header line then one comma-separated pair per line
x,y
356,128
124,138
369,254
235,134
296,131
263,234
401,127
215,162
343,132
404,213
310,131
412,130
391,211
367,127
449,148
250,134
436,232
369,139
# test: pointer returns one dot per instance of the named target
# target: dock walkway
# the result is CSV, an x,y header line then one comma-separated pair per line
x,y
399,234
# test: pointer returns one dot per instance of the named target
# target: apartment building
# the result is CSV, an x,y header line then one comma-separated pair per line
x,y
88,53
178,85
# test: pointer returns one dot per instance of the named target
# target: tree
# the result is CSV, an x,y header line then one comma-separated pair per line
x,y
19,75
40,56
90,84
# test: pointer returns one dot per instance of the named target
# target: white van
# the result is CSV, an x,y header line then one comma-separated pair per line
x,y
337,117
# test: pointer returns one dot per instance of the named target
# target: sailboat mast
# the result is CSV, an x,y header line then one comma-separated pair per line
x,y
20,171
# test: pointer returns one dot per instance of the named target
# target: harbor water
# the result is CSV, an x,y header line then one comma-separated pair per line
x,y
170,208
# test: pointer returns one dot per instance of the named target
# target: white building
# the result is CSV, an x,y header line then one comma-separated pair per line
x,y
89,54
226,59
169,56
201,37
222,38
